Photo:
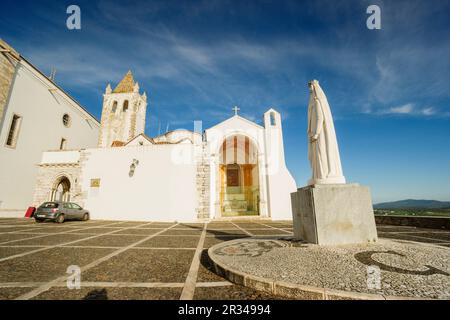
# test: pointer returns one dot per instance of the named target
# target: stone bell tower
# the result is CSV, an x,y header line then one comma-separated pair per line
x,y
123,114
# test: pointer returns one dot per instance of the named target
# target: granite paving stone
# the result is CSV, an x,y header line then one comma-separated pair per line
x,y
47,265
15,236
210,241
111,241
171,242
139,231
130,224
49,230
173,232
225,232
51,240
233,292
96,230
143,266
12,293
12,229
206,271
96,293
11,251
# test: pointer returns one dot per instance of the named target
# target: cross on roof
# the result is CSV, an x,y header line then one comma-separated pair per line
x,y
236,109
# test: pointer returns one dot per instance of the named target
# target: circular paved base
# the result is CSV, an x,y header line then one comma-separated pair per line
x,y
385,270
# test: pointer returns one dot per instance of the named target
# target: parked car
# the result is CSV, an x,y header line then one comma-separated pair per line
x,y
59,212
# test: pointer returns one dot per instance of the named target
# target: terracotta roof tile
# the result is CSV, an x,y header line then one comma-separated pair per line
x,y
126,85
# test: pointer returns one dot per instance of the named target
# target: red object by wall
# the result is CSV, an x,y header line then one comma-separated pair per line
x,y
30,212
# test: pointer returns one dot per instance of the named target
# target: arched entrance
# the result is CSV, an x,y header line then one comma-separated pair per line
x,y
61,190
239,177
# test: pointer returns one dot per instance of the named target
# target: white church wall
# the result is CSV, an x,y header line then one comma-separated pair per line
x,y
281,185
234,126
54,157
280,182
41,106
163,187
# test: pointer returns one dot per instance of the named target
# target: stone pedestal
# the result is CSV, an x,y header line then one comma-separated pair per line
x,y
334,214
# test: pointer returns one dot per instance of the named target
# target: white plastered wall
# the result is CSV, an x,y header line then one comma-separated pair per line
x,y
41,106
280,181
163,187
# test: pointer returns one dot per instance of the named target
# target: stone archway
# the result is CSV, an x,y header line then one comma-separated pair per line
x,y
238,185
61,190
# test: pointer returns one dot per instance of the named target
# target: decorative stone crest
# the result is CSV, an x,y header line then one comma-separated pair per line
x,y
250,248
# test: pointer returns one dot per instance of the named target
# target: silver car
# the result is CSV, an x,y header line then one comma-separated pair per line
x,y
59,212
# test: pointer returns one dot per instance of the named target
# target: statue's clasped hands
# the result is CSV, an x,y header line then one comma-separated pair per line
x,y
313,138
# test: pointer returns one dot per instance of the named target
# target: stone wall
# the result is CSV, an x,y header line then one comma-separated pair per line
x,y
419,222
48,176
8,62
203,183
119,125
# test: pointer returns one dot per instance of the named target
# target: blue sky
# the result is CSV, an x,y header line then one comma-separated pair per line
x,y
388,89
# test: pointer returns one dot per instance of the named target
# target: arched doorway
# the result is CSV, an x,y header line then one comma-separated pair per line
x,y
61,190
239,177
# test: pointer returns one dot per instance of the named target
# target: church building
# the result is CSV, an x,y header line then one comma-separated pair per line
x,y
233,169
36,115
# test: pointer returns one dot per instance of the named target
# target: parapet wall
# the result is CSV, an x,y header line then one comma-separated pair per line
x,y
419,222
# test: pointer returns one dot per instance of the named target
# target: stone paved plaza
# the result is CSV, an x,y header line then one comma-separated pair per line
x,y
138,260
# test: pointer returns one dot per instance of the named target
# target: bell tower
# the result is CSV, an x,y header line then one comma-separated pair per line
x,y
123,113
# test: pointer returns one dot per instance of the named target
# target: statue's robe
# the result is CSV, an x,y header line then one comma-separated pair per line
x,y
323,153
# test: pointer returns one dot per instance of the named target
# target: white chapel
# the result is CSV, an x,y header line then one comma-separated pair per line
x,y
233,169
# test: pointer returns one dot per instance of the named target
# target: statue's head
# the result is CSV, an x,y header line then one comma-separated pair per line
x,y
311,85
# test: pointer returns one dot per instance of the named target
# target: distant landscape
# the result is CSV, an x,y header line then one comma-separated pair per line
x,y
410,207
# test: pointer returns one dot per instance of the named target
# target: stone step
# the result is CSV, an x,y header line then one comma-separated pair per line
x,y
235,205
239,213
234,196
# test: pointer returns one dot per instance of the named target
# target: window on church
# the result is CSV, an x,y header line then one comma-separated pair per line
x,y
13,133
114,107
272,119
66,120
125,106
63,144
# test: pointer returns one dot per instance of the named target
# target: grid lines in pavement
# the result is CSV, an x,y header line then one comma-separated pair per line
x,y
161,260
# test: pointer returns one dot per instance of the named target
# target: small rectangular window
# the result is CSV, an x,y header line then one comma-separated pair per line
x,y
273,122
13,133
63,144
114,107
49,205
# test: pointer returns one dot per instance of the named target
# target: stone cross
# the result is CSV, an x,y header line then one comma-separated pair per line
x,y
236,109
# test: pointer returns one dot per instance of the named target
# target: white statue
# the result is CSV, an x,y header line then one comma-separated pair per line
x,y
323,151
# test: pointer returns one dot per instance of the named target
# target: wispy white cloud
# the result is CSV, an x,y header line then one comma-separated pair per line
x,y
428,111
405,109
410,109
